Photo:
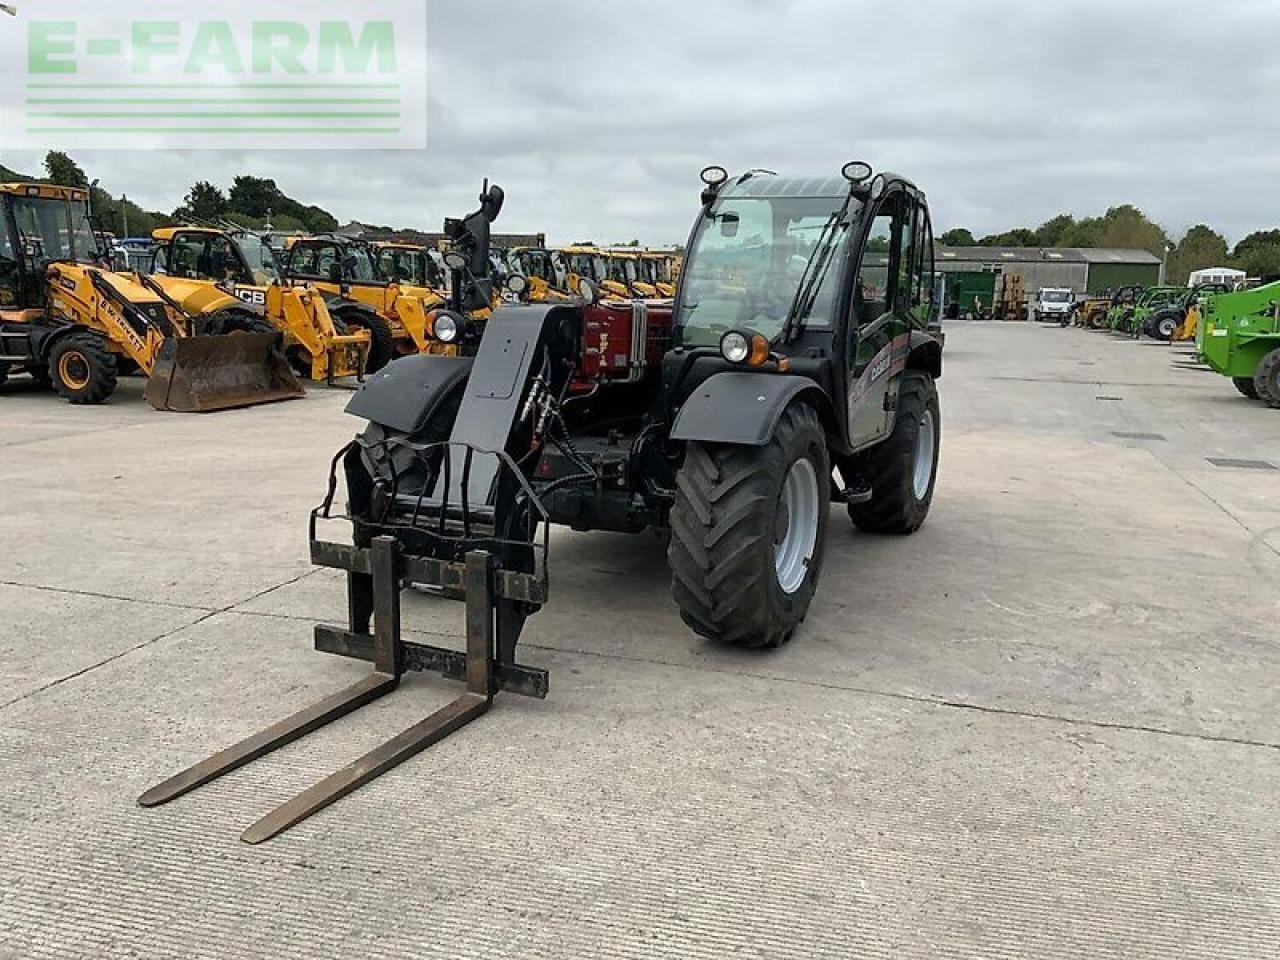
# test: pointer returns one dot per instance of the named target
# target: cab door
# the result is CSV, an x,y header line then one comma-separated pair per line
x,y
879,318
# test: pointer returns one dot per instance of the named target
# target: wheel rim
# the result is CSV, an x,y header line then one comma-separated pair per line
x,y
1166,328
926,440
73,369
794,542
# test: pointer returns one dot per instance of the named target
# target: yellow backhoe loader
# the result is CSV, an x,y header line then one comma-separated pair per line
x,y
403,317
213,272
72,324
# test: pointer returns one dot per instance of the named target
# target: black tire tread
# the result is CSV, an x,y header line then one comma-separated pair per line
x,y
382,343
721,527
1266,381
102,378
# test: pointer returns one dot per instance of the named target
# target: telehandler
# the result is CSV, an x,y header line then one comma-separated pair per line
x,y
214,272
795,350
71,323
1122,304
1139,322
1176,320
1240,339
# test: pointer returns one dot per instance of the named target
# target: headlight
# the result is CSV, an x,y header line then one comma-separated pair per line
x,y
455,261
445,328
735,347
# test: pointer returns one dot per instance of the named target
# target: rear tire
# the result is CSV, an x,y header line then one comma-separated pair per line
x,y
382,344
903,469
1246,386
83,371
1266,382
748,531
4,372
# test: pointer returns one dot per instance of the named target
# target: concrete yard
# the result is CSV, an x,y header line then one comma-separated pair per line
x,y
1046,726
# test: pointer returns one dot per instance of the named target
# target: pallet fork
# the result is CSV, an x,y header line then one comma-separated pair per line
x,y
442,544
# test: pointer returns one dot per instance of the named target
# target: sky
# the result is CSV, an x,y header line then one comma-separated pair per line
x,y
596,116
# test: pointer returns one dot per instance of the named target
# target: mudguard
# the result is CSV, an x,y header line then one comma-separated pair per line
x,y
739,407
404,394
924,350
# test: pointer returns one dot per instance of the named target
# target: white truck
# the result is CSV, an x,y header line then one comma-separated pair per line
x,y
1055,303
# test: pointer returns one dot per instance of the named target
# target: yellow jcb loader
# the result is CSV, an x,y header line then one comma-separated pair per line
x,y
211,272
76,326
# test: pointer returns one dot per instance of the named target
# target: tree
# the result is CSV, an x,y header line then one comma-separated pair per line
x,y
1020,237
1259,238
1201,247
204,201
1128,228
1052,231
64,171
957,237
1261,260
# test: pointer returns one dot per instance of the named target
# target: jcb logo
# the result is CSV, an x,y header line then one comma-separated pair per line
x,y
250,295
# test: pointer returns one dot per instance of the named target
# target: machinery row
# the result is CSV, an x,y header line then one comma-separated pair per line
x,y
215,316
1235,329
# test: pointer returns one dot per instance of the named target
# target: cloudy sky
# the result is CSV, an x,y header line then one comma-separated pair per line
x,y
596,116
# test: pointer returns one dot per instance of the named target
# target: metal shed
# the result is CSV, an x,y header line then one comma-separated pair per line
x,y
1076,268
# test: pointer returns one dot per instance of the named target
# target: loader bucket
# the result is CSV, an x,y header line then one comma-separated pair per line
x,y
199,374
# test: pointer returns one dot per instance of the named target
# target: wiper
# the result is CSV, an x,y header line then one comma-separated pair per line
x,y
807,291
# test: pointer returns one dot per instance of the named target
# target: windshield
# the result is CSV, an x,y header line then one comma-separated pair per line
x,y
403,266
1056,296
588,265
748,258
55,229
259,258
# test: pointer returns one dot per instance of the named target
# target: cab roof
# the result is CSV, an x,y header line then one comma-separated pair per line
x,y
165,234
45,191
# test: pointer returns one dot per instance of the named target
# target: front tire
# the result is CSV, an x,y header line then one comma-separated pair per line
x,y
82,369
903,469
382,343
1246,386
234,320
748,531
1266,382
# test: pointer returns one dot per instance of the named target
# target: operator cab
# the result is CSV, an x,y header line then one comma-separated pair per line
x,y
819,277
332,260
40,224
199,253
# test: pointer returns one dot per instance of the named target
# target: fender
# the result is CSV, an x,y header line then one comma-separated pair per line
x,y
404,394
743,407
924,353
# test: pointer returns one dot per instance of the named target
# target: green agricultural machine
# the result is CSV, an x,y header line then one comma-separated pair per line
x,y
1239,337
1122,305
1135,322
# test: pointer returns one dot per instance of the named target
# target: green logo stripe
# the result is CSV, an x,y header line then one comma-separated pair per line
x,y
117,129
251,100
197,114
305,85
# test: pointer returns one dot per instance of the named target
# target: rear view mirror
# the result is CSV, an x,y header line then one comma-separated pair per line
x,y
335,272
729,224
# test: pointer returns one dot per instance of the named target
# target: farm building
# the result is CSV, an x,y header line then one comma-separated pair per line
x,y
985,271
